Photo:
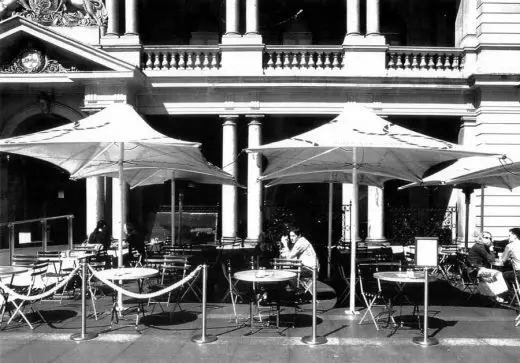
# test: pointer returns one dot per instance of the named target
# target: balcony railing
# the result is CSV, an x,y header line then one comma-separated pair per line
x,y
302,59
179,58
425,60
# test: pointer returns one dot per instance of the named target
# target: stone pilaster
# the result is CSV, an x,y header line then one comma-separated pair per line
x,y
113,17
231,17
229,164
131,19
375,215
95,201
254,186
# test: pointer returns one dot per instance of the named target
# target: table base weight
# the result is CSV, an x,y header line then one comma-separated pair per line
x,y
80,337
425,342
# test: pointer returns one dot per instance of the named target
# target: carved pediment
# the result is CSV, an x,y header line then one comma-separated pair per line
x,y
28,47
57,12
31,60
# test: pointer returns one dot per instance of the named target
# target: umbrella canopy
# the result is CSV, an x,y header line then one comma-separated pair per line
x,y
116,137
359,140
493,171
474,172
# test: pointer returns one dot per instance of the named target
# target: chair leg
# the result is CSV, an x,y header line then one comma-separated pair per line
x,y
369,311
19,310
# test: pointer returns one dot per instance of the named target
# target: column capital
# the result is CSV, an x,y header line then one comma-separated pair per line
x,y
229,119
254,119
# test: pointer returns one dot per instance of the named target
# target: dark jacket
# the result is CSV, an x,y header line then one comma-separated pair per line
x,y
100,236
480,256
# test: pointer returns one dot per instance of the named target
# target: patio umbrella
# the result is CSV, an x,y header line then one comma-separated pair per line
x,y
330,177
476,172
116,137
359,140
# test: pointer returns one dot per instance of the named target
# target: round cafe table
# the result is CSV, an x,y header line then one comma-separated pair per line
x,y
127,274
401,279
262,276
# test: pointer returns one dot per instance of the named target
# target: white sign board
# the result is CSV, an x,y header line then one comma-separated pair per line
x,y
24,237
426,251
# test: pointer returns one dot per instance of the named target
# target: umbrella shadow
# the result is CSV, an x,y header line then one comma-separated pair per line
x,y
168,318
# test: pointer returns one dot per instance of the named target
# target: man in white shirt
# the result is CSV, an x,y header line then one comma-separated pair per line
x,y
512,253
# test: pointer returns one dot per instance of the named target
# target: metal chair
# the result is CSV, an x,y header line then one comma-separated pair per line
x,y
469,282
37,273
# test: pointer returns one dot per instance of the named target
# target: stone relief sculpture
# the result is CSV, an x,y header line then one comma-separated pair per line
x,y
57,12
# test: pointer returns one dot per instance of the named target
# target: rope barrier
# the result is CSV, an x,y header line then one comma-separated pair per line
x,y
149,295
45,294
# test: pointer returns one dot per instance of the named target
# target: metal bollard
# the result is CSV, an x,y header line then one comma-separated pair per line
x,y
83,335
425,340
314,340
203,338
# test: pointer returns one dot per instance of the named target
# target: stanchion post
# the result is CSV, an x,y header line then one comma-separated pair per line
x,y
44,235
314,340
83,335
70,232
11,243
425,340
203,338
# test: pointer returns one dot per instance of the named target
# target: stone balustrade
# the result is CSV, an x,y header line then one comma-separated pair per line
x,y
412,60
178,58
302,58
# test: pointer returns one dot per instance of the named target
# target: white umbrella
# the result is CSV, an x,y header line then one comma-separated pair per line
x,y
359,140
476,172
115,137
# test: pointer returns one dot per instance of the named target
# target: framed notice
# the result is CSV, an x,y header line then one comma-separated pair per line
x,y
426,251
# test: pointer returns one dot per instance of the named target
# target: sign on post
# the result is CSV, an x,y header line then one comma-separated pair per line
x,y
426,251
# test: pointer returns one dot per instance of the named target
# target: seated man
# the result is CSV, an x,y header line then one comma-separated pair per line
x,y
512,253
481,256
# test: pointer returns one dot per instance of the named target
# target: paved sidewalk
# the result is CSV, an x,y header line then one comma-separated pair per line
x,y
465,334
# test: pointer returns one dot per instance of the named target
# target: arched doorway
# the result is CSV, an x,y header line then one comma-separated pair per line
x,y
32,188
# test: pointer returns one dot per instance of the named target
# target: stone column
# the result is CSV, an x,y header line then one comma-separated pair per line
x,y
376,214
117,213
95,201
113,17
229,164
467,137
251,16
131,17
254,186
231,17
373,17
353,10
346,200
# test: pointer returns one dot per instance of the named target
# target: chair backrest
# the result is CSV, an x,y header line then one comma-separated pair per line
x,y
174,268
292,265
388,266
38,271
367,282
24,260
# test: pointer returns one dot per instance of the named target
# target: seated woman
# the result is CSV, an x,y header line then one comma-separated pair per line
x,y
136,244
481,256
100,236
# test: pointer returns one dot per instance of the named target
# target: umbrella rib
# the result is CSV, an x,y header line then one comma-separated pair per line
x,y
145,179
273,174
180,148
84,165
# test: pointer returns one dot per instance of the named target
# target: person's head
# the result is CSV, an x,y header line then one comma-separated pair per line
x,y
294,234
486,238
129,228
101,224
514,234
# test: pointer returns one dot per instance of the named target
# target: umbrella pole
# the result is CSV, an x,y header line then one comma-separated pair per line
x,y
123,217
172,216
329,245
481,209
353,233
467,193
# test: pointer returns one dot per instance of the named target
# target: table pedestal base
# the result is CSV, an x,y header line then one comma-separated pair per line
x,y
78,337
309,340
200,339
425,341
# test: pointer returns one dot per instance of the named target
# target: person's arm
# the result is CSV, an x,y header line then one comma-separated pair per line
x,y
298,248
505,255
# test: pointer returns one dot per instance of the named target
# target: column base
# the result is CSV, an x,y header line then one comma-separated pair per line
x,y
231,242
375,241
250,242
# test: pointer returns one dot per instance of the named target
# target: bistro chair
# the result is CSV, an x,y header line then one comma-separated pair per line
x,y
516,290
232,292
173,269
469,282
35,286
373,293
